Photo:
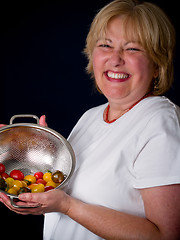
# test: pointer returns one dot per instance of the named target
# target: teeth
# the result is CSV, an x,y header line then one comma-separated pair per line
x,y
117,75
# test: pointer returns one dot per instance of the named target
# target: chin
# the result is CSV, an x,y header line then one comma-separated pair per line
x,y
115,94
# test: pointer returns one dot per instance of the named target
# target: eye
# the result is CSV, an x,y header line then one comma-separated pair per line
x,y
104,46
133,49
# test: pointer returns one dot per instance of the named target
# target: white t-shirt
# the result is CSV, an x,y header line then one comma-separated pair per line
x,y
139,150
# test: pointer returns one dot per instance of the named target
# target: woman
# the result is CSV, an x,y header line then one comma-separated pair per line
x,y
126,183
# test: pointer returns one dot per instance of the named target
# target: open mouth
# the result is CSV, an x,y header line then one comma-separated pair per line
x,y
117,76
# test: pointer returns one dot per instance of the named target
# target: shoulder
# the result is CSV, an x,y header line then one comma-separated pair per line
x,y
161,124
159,104
159,120
160,109
157,145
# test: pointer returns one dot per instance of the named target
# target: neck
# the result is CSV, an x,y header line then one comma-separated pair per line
x,y
115,111
112,114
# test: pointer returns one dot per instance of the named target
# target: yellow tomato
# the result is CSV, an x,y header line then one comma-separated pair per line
x,y
30,178
51,183
32,185
24,183
10,182
38,188
18,184
47,177
13,190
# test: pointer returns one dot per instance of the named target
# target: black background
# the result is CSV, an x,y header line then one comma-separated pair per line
x,y
42,71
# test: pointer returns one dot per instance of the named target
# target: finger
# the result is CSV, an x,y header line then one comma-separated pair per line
x,y
27,204
35,201
37,198
50,201
2,125
6,201
25,208
42,121
46,200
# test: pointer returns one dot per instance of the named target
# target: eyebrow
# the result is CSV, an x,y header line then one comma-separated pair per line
x,y
106,39
131,42
109,40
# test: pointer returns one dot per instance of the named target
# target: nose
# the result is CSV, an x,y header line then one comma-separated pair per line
x,y
117,59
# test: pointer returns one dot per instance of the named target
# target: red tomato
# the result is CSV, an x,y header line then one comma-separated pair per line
x,y
38,175
41,181
2,168
17,175
4,175
47,188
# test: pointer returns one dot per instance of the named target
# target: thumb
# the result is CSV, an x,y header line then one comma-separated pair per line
x,y
42,121
30,197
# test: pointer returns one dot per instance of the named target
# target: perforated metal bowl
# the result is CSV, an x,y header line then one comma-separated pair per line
x,y
31,148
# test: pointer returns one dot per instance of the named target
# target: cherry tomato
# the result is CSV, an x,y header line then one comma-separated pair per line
x,y
58,177
47,188
4,175
38,188
2,168
32,185
51,183
10,182
41,181
47,177
38,175
18,184
13,190
17,175
24,183
30,178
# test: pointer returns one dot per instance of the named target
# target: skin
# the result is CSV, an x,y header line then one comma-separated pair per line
x,y
161,204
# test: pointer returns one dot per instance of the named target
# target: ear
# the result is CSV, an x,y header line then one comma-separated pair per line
x,y
156,72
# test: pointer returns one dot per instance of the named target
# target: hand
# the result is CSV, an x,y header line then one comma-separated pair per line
x,y
40,203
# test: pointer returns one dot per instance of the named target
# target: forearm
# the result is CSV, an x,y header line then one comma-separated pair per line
x,y
111,224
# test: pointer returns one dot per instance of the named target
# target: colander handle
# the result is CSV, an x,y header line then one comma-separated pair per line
x,y
24,116
18,206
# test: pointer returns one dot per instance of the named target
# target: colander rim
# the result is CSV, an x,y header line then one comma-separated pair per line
x,y
51,131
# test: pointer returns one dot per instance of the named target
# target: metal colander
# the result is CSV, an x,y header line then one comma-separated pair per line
x,y
31,148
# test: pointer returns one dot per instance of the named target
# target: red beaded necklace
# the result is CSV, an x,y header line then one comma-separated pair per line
x,y
127,110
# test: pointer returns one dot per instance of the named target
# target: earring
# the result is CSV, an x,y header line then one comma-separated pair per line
x,y
156,84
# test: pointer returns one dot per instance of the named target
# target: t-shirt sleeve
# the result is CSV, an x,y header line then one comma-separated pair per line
x,y
158,160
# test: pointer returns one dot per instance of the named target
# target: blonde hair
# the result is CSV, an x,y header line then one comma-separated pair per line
x,y
149,25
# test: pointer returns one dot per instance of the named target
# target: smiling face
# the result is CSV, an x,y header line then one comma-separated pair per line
x,y
122,68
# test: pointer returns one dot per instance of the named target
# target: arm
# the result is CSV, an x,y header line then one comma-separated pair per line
x,y
162,211
111,224
161,205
